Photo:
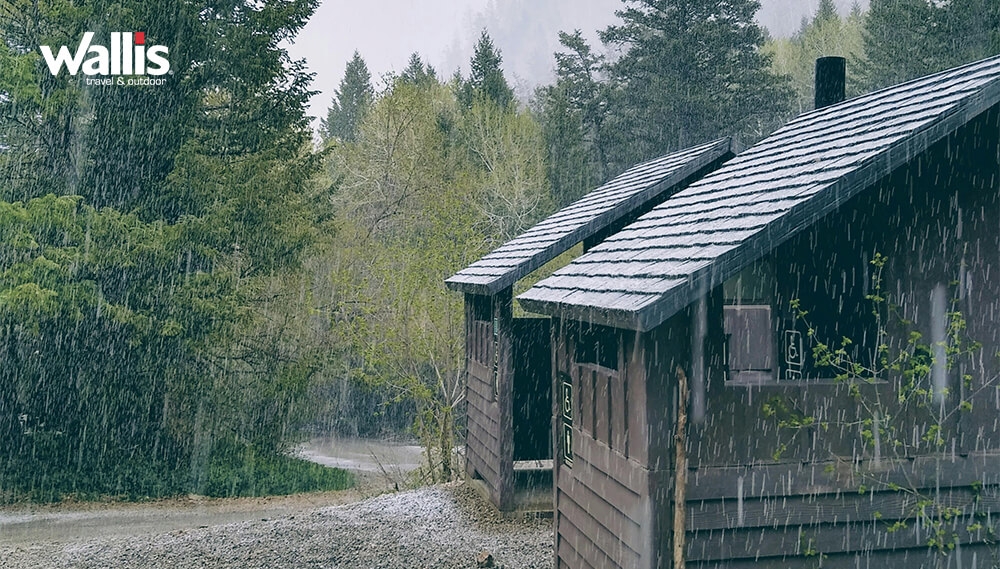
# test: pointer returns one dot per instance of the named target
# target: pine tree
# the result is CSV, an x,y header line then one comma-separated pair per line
x,y
350,102
189,198
827,34
904,39
573,111
827,12
691,70
417,73
486,78
973,30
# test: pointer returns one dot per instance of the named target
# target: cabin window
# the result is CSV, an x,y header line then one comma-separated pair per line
x,y
597,345
748,322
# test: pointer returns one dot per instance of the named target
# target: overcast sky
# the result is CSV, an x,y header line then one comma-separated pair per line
x,y
386,32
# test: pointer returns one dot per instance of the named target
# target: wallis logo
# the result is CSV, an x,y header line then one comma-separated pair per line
x,y
127,55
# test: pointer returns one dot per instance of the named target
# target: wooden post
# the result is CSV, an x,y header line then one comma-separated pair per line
x,y
680,470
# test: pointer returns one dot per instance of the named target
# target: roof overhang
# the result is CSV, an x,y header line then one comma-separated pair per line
x,y
650,311
703,160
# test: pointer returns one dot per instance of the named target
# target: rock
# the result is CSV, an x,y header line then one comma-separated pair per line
x,y
484,559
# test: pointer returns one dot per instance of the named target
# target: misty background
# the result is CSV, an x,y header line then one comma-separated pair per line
x,y
443,32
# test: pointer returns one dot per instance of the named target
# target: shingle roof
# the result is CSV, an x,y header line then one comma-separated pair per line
x,y
704,234
623,195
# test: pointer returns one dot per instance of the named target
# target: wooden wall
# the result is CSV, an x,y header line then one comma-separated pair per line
x,y
821,495
829,514
507,389
490,439
604,500
937,221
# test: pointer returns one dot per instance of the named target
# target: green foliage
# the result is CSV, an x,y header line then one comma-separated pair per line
x,y
683,72
827,34
417,73
351,101
507,160
690,71
234,470
885,425
152,245
240,470
425,189
38,112
572,112
486,79
826,12
788,417
404,226
905,39
807,546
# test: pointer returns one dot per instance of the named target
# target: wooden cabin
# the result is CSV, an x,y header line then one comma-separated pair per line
x,y
508,360
789,463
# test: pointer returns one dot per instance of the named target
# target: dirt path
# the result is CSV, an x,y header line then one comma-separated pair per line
x,y
87,521
363,455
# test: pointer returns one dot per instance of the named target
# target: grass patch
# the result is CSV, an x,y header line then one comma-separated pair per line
x,y
231,470
244,472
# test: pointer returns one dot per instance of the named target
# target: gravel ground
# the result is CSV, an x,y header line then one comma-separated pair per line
x,y
440,526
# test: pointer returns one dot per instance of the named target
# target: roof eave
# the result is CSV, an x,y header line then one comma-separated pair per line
x,y
801,216
590,314
720,151
471,288
809,212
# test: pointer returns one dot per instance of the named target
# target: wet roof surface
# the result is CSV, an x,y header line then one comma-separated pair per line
x,y
659,264
559,232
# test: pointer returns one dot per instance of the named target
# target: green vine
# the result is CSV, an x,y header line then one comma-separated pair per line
x,y
907,360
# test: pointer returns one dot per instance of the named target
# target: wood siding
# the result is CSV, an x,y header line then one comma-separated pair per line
x,y
763,495
504,354
489,436
605,501
798,513
822,495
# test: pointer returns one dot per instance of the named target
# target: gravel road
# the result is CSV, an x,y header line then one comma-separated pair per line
x,y
440,526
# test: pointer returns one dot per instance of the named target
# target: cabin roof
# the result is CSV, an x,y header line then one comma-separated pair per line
x,y
623,195
706,233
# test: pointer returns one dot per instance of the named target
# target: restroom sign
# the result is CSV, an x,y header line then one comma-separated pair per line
x,y
794,355
566,405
